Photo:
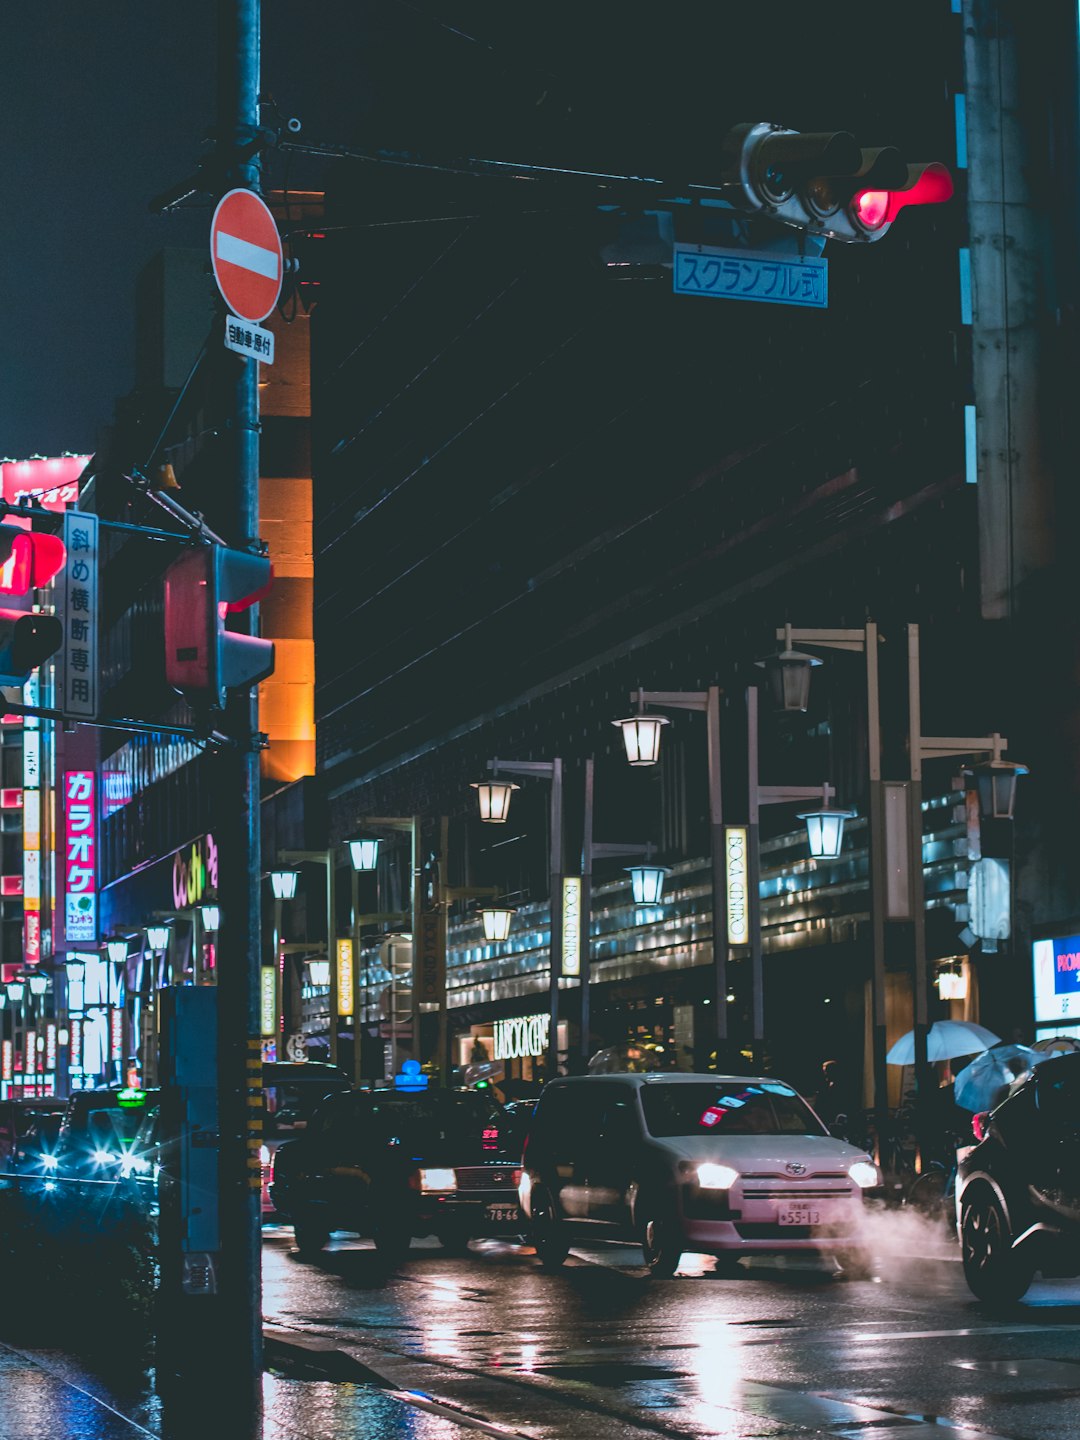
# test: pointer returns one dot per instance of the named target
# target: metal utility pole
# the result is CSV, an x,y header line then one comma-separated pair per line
x,y
236,1320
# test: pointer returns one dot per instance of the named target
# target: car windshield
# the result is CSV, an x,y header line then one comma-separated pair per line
x,y
121,1127
733,1107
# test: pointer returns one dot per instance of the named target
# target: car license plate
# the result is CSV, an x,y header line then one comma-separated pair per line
x,y
800,1216
502,1212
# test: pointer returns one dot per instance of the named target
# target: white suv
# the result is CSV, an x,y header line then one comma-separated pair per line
x,y
719,1164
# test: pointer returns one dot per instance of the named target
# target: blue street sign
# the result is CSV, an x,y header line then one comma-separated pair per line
x,y
772,278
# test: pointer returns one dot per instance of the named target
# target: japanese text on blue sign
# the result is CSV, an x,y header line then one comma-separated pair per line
x,y
752,275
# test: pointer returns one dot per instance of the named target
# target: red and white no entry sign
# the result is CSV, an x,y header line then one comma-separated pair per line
x,y
245,250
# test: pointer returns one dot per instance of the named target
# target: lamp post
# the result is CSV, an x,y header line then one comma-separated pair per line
x,y
641,739
494,800
591,850
895,828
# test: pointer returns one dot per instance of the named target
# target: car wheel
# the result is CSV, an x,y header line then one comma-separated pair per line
x,y
311,1236
856,1263
454,1239
992,1269
548,1233
661,1243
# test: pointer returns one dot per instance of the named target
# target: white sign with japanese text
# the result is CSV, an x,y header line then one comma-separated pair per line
x,y
250,340
77,670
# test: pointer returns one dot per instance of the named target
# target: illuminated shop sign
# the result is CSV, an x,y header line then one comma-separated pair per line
x,y
77,663
50,1047
571,919
7,1060
53,483
735,846
1056,967
344,977
32,826
80,856
116,791
524,1035
195,871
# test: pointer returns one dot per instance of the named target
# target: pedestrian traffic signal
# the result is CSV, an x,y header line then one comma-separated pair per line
x,y
826,183
202,588
26,637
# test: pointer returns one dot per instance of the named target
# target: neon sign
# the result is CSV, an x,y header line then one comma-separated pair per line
x,y
195,871
80,856
735,841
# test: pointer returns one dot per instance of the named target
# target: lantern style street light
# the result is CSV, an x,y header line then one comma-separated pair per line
x,y
283,883
641,734
497,920
647,883
157,937
493,797
38,983
788,676
116,950
995,781
825,831
364,854
210,915
16,990
75,966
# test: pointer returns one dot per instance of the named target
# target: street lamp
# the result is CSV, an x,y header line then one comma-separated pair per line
x,y
494,800
788,676
497,920
16,990
365,854
646,883
493,797
995,781
210,915
157,937
76,969
825,831
117,951
283,883
38,984
641,734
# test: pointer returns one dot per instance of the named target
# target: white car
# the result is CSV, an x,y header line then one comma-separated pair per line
x,y
723,1165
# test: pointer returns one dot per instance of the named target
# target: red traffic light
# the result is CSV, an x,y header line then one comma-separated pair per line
x,y
202,587
927,185
28,560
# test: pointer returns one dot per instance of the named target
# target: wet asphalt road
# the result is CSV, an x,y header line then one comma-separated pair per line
x,y
490,1344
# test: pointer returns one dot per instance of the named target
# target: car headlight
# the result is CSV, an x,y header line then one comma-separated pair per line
x,y
865,1174
264,1154
716,1177
135,1165
104,1157
50,1162
438,1179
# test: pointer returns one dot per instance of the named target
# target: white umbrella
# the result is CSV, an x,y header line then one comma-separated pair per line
x,y
945,1040
986,1081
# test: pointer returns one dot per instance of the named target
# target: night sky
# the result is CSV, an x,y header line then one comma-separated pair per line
x,y
108,104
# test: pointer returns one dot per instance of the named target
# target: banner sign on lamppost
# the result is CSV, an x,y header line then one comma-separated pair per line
x,y
735,860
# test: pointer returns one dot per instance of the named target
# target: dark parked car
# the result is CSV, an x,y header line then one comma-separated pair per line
x,y
391,1164
292,1091
1018,1191
21,1120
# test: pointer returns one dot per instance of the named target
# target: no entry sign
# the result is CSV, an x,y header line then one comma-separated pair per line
x,y
245,250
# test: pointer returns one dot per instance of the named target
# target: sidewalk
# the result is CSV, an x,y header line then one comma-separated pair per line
x,y
36,1403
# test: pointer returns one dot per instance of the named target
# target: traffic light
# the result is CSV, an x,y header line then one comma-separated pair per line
x,y
26,639
202,588
825,183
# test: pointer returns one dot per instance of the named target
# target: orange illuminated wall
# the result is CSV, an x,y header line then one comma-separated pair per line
x,y
287,699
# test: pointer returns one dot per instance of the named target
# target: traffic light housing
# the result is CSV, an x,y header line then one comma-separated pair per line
x,y
825,182
27,638
203,587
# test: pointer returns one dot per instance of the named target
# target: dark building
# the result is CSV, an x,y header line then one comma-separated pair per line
x,y
543,480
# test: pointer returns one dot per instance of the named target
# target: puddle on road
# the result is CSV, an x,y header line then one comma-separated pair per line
x,y
610,1375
